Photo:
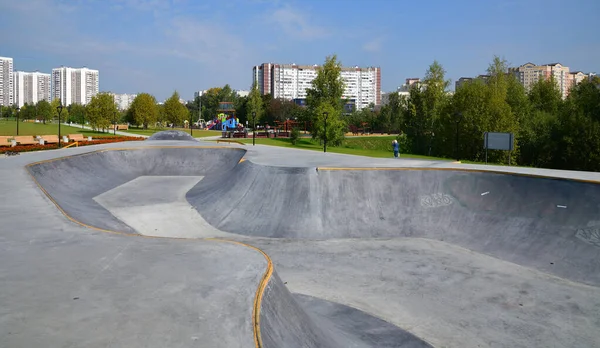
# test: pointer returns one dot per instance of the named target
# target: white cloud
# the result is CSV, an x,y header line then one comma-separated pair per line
x,y
373,45
296,24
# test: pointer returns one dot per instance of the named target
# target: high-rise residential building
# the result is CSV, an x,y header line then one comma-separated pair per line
x,y
123,101
528,74
6,81
290,81
74,86
30,87
262,75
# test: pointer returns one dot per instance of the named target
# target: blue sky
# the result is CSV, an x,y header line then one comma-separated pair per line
x,y
159,46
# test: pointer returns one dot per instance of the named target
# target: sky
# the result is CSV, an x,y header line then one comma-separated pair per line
x,y
161,46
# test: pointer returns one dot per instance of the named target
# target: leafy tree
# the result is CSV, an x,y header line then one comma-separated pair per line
x,y
266,116
254,105
241,109
101,111
44,110
77,113
174,111
143,110
545,95
64,115
325,95
396,103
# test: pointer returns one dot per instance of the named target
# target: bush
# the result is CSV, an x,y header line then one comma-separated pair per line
x,y
294,136
403,142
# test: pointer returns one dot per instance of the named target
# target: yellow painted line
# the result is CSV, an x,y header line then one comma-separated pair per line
x,y
538,176
230,141
262,285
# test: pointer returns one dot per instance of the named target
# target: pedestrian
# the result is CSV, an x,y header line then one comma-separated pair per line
x,y
396,147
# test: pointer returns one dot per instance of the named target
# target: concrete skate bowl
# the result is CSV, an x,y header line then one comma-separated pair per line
x,y
547,224
286,320
73,182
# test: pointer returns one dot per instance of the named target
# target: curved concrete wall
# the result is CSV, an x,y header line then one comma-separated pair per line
x,y
530,221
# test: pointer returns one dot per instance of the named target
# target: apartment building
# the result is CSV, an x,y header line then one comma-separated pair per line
x,y
290,81
73,85
123,101
528,74
31,87
6,81
262,75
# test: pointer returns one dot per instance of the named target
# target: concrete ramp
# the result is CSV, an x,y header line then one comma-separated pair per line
x,y
551,225
306,322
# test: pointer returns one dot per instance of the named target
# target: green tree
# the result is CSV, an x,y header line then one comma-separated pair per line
x,y
254,105
101,111
64,115
396,103
325,96
174,111
77,113
578,133
545,95
143,110
44,110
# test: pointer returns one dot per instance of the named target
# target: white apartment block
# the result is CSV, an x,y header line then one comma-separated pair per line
x,y
74,86
123,101
290,81
6,81
30,87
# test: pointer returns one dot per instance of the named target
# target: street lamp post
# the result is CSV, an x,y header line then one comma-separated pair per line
x,y
18,110
115,122
325,114
253,128
59,109
458,119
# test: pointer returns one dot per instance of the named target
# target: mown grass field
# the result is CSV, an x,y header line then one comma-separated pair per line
x,y
28,128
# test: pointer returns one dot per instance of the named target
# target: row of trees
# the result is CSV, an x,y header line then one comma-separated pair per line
x,y
550,131
102,111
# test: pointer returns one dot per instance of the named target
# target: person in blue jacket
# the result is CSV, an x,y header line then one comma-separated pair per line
x,y
396,148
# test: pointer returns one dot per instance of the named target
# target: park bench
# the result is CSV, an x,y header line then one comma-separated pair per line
x,y
122,127
25,140
76,137
5,141
50,139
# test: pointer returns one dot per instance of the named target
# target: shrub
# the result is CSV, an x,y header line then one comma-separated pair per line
x,y
403,142
294,136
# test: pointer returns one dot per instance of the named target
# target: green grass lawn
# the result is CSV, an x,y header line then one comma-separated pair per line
x,y
197,133
360,146
27,128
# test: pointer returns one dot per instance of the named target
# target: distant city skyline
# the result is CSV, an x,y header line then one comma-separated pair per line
x,y
158,46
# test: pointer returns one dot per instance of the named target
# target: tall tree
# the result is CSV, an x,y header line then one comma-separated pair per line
x,y
101,111
325,98
433,98
64,115
175,112
44,110
143,110
254,106
77,113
